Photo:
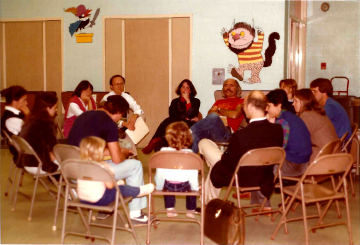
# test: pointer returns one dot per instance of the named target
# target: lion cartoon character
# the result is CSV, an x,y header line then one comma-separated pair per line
x,y
247,42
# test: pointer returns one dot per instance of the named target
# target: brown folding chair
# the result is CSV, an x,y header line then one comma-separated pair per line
x,y
330,148
11,178
175,160
313,193
257,157
25,148
62,153
75,169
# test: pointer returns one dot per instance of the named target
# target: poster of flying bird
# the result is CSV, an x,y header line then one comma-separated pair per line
x,y
83,18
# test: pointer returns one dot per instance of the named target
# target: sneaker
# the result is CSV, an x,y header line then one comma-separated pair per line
x,y
143,218
102,215
191,215
146,189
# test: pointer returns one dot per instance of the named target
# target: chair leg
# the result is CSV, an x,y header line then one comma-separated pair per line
x,y
114,224
149,219
57,203
304,215
348,214
336,201
33,197
352,185
17,188
10,180
13,184
126,211
202,218
22,178
64,215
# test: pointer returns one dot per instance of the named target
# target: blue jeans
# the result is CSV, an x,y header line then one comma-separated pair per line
x,y
211,127
131,170
181,187
110,194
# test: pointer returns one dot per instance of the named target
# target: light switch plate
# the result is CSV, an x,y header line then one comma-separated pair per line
x,y
218,76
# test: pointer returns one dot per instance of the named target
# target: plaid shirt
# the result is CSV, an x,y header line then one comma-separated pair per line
x,y
286,129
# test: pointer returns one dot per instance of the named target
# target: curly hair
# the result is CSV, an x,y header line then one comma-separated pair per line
x,y
291,83
324,86
178,135
92,148
308,102
190,84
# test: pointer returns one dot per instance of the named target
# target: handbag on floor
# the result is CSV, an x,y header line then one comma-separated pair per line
x,y
224,222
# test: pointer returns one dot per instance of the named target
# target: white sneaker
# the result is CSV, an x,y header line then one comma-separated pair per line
x,y
146,189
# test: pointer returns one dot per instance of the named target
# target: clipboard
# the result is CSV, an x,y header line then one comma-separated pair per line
x,y
141,130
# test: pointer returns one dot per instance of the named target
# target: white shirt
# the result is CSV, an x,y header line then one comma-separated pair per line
x,y
14,124
74,109
176,174
132,103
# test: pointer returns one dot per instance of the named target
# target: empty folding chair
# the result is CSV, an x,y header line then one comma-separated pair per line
x,y
309,193
95,171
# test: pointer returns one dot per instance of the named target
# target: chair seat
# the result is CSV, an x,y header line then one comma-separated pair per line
x,y
173,193
314,193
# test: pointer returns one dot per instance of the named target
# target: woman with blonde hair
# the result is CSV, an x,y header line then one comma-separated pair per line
x,y
103,193
321,129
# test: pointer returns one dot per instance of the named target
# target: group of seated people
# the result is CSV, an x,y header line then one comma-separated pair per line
x,y
301,121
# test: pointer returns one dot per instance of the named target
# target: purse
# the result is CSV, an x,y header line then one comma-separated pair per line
x,y
224,222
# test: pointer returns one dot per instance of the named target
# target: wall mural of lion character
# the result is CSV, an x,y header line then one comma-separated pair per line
x,y
247,42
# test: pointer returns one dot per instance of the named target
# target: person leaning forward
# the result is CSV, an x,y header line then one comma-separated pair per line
x,y
260,133
101,123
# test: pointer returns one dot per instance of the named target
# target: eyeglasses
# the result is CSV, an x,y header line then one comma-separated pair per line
x,y
118,84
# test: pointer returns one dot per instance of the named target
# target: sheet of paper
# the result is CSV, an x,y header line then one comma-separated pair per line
x,y
224,119
141,130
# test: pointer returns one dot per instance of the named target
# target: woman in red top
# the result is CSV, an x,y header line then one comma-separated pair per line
x,y
184,108
80,102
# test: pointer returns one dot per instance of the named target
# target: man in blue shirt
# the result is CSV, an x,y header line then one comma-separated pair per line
x,y
323,91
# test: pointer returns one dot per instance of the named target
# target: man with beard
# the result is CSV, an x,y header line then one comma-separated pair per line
x,y
212,127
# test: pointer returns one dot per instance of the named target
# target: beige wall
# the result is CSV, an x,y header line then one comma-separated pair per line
x,y
333,37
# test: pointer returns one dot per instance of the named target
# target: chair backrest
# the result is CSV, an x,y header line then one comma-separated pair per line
x,y
343,137
63,152
329,148
24,147
175,160
263,156
7,136
354,128
330,165
74,169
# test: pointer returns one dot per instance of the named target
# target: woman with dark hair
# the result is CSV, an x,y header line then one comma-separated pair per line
x,y
321,129
14,114
184,108
80,102
39,131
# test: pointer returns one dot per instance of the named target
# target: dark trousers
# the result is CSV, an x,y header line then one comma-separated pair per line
x,y
182,187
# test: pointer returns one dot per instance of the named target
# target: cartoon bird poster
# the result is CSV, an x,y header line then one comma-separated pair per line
x,y
83,18
246,41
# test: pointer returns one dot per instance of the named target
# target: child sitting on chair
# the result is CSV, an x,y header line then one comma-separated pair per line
x,y
179,138
103,193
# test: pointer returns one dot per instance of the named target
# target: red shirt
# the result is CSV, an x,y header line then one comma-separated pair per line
x,y
231,104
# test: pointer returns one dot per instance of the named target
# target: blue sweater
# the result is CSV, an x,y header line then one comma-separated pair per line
x,y
338,116
298,149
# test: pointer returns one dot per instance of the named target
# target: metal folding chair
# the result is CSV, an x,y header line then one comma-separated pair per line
x,y
257,157
73,169
25,148
309,193
62,153
175,160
